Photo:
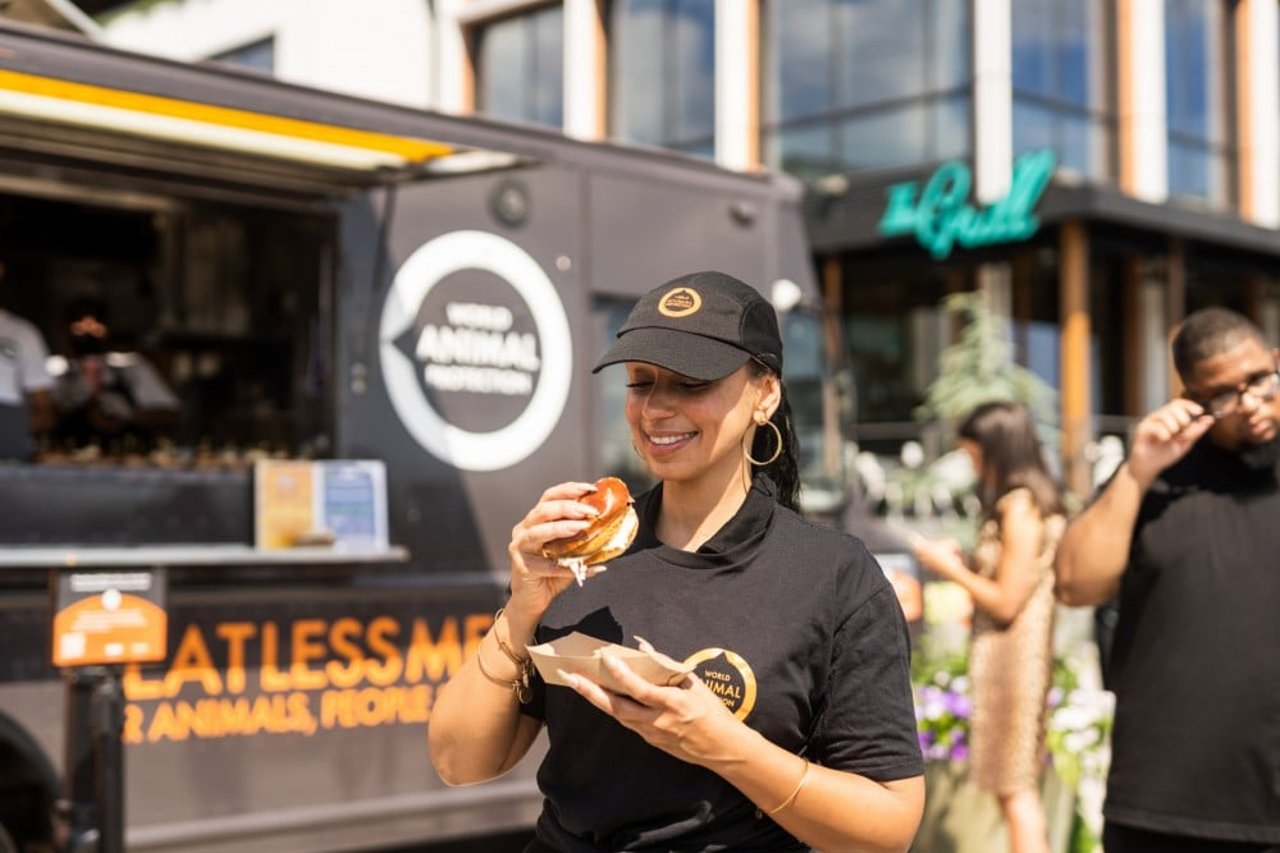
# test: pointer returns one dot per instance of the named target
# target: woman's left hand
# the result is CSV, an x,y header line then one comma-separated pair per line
x,y
686,720
942,558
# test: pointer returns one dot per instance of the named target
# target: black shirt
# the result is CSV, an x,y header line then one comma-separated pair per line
x,y
793,625
1196,656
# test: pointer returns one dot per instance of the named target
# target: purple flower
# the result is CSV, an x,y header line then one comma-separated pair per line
x,y
959,705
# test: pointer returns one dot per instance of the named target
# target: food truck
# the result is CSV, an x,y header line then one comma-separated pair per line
x,y
411,299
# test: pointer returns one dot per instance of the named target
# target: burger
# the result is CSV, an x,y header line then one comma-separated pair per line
x,y
609,535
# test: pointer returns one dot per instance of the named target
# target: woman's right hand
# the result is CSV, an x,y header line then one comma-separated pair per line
x,y
536,580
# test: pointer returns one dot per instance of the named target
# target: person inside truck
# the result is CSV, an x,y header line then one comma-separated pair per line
x,y
796,728
116,400
26,407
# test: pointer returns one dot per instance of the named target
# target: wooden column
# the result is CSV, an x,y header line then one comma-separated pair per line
x,y
1244,109
1073,294
737,84
584,70
1126,148
833,302
1140,108
1257,120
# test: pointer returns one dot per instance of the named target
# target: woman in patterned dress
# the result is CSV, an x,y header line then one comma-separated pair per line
x,y
1010,578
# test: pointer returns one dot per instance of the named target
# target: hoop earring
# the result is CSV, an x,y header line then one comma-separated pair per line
x,y
777,451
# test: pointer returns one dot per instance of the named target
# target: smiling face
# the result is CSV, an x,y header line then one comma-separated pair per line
x,y
1253,420
686,429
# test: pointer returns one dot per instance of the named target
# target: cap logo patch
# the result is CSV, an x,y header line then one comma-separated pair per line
x,y
680,302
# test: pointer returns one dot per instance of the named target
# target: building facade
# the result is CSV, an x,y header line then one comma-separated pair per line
x,y
1098,168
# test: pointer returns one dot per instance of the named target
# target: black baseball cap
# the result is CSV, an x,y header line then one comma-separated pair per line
x,y
704,325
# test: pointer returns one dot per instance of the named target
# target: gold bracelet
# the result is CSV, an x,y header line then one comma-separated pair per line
x,y
518,686
523,663
804,777
521,685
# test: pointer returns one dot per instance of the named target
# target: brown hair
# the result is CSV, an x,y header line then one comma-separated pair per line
x,y
1011,456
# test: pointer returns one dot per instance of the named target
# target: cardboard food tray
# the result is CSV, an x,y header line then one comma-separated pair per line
x,y
583,655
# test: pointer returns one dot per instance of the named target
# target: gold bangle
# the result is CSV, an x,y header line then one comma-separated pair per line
x,y
523,663
521,685
804,777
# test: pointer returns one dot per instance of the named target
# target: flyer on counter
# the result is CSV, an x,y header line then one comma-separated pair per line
x,y
341,503
284,502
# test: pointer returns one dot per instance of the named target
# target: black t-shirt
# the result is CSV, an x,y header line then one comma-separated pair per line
x,y
1196,655
792,624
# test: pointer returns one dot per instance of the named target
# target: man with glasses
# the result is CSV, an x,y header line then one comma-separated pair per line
x,y
1187,532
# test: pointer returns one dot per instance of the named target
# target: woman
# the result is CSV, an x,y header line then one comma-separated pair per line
x,y
1011,654
796,729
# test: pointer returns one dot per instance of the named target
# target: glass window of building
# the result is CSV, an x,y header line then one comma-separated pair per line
x,y
520,67
895,332
864,84
1062,82
662,73
257,56
1198,87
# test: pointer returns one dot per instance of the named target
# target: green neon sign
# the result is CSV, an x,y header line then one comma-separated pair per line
x,y
941,217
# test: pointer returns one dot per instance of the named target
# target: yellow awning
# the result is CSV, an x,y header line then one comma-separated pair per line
x,y
205,125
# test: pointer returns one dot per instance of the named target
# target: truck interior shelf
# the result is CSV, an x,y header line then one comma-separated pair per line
x,y
194,554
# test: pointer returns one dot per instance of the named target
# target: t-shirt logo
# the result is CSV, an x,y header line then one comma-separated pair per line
x,y
680,302
729,676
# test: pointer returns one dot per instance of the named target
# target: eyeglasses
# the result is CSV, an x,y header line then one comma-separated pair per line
x,y
1262,387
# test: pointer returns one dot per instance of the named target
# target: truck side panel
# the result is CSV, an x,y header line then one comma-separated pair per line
x,y
475,395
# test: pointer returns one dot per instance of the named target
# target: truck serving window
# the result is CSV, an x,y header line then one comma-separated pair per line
x,y
213,321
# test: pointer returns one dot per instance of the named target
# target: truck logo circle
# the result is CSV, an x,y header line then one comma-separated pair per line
x,y
475,350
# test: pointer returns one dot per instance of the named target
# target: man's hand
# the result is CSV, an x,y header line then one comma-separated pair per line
x,y
1094,550
1164,436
